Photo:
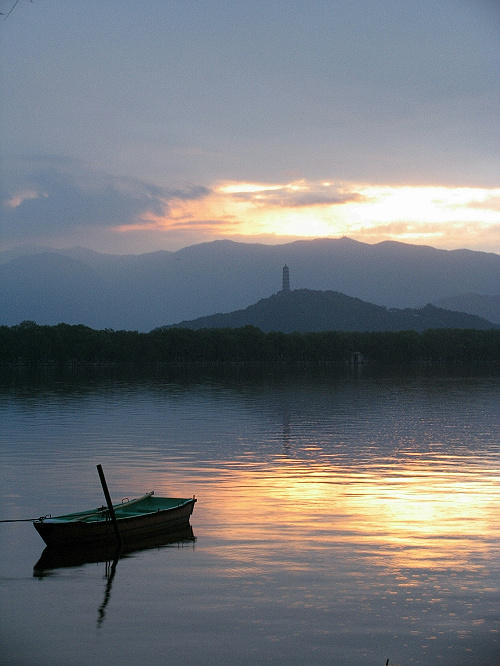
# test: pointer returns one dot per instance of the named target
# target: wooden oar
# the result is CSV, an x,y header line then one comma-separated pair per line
x,y
110,505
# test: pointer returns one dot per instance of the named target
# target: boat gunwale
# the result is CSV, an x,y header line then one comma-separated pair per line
x,y
94,516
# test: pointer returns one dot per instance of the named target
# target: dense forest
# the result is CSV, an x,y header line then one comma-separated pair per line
x,y
31,344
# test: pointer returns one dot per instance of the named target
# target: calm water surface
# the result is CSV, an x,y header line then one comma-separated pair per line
x,y
342,518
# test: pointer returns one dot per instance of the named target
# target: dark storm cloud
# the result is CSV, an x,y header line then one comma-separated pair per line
x,y
54,194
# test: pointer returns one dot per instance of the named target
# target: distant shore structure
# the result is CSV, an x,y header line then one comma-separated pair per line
x,y
286,279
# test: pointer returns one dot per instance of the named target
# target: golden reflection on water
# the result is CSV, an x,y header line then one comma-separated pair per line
x,y
419,512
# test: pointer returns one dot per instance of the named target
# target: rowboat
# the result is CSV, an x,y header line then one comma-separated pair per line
x,y
136,519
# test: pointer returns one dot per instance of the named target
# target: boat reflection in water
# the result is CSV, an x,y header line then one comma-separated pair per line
x,y
60,557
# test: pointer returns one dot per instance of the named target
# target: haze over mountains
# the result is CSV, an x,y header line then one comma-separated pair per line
x,y
142,292
487,307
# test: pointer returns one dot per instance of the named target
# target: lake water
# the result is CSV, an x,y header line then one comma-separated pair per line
x,y
343,517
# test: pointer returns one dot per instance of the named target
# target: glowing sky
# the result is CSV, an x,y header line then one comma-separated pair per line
x,y
156,125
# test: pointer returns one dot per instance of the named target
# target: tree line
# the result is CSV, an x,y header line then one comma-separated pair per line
x,y
31,344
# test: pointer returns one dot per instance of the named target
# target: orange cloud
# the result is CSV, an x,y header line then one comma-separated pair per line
x,y
17,199
486,203
447,217
299,194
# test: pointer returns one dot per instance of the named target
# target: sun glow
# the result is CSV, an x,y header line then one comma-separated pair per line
x,y
442,216
428,204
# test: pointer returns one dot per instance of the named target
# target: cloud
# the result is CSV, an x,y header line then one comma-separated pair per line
x,y
63,202
218,225
300,194
23,195
184,223
47,195
487,203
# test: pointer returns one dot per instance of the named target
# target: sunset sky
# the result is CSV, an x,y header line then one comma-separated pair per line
x,y
142,126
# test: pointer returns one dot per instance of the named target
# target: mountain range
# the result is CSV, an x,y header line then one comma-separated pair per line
x,y
142,292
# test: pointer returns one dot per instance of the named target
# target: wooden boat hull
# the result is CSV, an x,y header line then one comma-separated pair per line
x,y
77,555
149,517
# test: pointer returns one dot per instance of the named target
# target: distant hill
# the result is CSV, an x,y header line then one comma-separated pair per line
x,y
484,306
142,292
306,310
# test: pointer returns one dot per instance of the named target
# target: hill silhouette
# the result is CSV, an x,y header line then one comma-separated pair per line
x,y
142,292
304,310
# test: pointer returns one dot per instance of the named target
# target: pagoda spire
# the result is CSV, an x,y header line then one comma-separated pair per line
x,y
286,279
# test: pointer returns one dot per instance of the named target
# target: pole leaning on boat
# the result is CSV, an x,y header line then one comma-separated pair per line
x,y
110,506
